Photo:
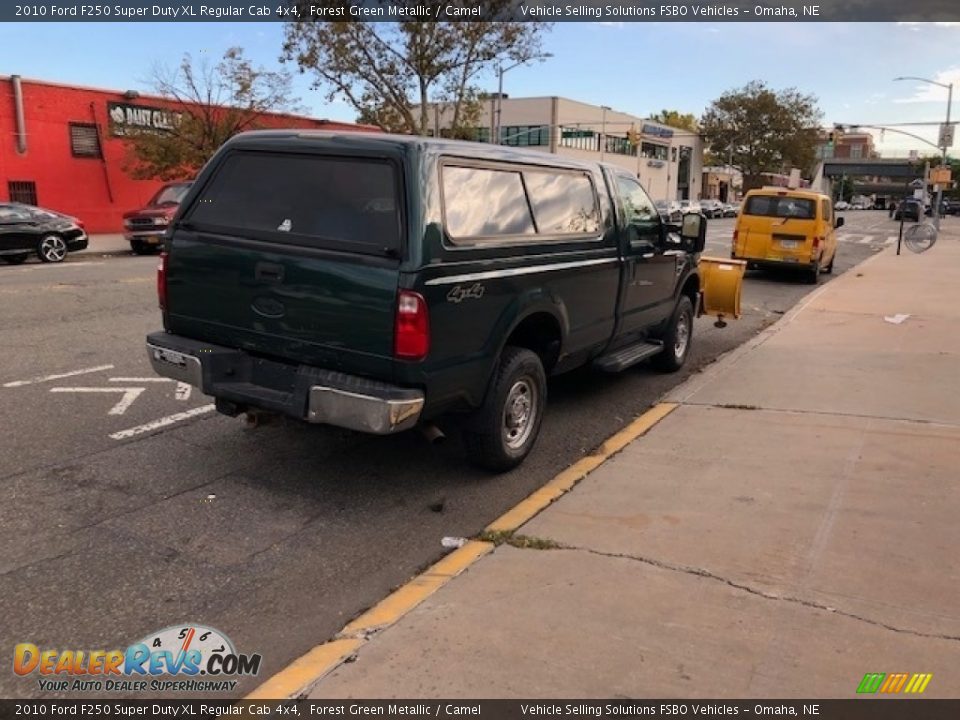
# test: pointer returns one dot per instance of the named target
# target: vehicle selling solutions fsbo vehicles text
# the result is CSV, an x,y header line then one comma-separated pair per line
x,y
596,11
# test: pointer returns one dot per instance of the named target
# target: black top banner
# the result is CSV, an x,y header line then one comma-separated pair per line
x,y
480,10
854,709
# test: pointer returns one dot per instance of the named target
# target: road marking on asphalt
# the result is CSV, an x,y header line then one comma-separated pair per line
x,y
161,423
129,395
58,376
145,379
28,268
303,673
865,239
183,391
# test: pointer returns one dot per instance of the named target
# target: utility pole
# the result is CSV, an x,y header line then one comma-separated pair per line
x,y
603,130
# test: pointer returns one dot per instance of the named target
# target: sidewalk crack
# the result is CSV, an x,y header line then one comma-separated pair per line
x,y
708,575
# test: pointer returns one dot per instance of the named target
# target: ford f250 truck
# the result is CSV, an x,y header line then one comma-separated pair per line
x,y
379,282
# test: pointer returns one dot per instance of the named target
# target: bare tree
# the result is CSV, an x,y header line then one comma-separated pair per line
x,y
212,102
386,69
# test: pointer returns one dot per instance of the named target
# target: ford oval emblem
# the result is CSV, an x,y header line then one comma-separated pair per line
x,y
268,307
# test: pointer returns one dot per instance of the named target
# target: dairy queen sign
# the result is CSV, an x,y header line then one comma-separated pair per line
x,y
125,118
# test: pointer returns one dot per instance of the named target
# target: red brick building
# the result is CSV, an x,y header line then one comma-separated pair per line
x,y
62,147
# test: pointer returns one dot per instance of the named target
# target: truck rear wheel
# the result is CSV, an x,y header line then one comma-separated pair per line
x,y
503,430
677,338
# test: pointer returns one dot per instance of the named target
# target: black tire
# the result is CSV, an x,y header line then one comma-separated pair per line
x,y
14,259
677,338
813,274
52,248
520,385
140,248
829,268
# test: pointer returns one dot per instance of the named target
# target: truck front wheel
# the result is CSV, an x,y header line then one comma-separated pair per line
x,y
503,430
677,338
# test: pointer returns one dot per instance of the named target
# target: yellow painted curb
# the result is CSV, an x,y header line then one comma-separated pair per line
x,y
407,597
302,673
306,670
296,678
539,499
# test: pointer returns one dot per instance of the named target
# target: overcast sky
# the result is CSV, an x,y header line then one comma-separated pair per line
x,y
633,67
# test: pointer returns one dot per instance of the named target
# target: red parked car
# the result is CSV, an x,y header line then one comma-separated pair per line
x,y
144,228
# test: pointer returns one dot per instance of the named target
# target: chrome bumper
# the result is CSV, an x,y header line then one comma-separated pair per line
x,y
318,396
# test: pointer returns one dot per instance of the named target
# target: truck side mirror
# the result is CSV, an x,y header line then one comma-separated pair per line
x,y
693,232
838,222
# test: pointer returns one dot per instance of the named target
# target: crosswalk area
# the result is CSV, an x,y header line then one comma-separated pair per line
x,y
721,239
866,239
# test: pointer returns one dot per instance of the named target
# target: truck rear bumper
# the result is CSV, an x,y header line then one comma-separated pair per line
x,y
240,381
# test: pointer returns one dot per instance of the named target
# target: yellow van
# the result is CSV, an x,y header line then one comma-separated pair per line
x,y
779,227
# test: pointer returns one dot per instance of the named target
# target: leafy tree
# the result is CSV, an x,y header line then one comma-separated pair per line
x,y
763,130
844,189
676,119
212,103
385,69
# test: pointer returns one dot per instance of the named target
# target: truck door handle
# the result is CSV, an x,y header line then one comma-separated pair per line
x,y
269,272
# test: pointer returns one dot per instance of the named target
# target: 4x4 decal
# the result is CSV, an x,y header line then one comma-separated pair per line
x,y
459,293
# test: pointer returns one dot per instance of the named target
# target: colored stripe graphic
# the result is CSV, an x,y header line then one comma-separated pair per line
x,y
893,683
918,683
871,682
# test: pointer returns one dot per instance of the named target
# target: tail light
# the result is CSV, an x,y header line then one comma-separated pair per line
x,y
162,281
816,241
411,338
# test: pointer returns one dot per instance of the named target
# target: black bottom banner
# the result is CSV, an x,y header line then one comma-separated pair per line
x,y
854,709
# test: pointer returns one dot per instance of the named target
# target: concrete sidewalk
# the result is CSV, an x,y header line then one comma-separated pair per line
x,y
790,526
107,244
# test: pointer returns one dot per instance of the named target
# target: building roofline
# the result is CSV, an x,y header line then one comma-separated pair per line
x,y
160,98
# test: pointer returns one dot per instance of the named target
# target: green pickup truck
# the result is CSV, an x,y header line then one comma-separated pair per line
x,y
382,282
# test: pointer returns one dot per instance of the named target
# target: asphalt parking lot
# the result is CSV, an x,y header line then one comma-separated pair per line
x,y
129,505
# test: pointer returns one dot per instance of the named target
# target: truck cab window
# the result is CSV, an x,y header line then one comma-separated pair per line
x,y
640,214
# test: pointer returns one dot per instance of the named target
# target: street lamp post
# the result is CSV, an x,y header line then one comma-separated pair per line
x,y
946,134
501,70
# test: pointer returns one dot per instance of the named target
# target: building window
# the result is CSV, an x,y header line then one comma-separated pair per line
x,y
523,135
654,151
22,191
84,140
856,151
579,139
620,146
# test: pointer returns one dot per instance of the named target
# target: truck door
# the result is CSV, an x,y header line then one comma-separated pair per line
x,y
649,273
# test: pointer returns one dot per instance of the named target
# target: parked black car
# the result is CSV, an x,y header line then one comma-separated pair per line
x,y
908,209
952,207
25,229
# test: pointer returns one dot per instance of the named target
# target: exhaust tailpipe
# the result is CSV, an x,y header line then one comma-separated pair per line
x,y
432,433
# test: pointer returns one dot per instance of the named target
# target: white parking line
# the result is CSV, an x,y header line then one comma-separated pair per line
x,y
146,379
162,422
46,378
129,395
865,239
28,268
183,391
